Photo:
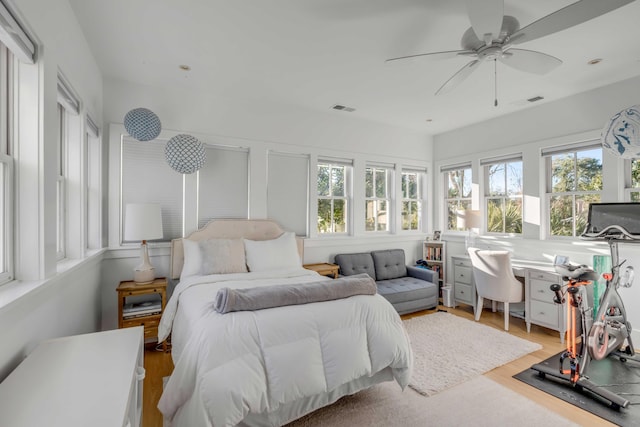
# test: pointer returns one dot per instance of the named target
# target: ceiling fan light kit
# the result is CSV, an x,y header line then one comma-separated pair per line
x,y
492,36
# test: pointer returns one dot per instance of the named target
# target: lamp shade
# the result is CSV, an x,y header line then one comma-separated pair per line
x,y
468,219
142,221
142,124
185,153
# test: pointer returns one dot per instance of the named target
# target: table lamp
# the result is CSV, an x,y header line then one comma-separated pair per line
x,y
468,219
143,221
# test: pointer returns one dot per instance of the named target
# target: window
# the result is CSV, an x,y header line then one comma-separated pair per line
x,y
633,181
574,180
377,197
6,166
333,196
61,206
457,187
503,200
412,200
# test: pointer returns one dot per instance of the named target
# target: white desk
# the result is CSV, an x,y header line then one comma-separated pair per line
x,y
84,380
539,308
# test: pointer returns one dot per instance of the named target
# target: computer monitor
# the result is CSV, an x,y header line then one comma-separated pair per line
x,y
561,260
623,215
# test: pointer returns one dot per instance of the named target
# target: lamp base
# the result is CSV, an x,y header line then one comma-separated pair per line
x,y
143,277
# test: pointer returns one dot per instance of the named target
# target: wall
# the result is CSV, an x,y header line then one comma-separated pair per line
x,y
51,304
573,119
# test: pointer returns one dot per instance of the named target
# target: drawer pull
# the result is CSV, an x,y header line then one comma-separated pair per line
x,y
541,291
542,313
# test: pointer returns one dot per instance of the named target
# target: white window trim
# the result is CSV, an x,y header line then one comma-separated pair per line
x,y
486,164
348,198
389,174
420,199
444,171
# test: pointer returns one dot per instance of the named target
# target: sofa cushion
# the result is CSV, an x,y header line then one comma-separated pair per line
x,y
389,264
405,289
351,264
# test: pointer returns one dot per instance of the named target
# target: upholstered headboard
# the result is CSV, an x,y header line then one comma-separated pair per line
x,y
254,229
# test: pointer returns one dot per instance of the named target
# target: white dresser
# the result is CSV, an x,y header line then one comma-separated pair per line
x,y
464,289
79,381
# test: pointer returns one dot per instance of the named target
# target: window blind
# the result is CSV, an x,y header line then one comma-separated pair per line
x,y
288,190
335,161
501,159
414,169
567,148
223,184
449,168
66,96
92,127
14,37
380,165
147,178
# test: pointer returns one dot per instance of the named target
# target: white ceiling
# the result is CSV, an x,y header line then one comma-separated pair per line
x,y
317,53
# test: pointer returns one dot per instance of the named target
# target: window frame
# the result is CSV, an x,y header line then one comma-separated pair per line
x,y
7,177
487,165
347,198
629,189
61,178
387,199
570,149
419,199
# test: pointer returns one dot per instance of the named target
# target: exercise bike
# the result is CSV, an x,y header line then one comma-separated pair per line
x,y
609,333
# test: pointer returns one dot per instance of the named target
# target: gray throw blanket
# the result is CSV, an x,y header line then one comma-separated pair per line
x,y
262,297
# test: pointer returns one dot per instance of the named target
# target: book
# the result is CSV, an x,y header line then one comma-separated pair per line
x,y
140,307
140,314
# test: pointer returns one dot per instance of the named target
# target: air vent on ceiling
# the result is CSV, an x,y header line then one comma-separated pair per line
x,y
535,98
343,108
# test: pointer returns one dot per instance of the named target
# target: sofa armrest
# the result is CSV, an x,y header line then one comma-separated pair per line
x,y
422,274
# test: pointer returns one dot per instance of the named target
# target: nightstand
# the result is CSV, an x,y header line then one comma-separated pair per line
x,y
324,269
150,322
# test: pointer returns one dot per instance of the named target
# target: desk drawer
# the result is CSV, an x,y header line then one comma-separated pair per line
x,y
540,290
463,293
147,322
542,275
462,274
544,313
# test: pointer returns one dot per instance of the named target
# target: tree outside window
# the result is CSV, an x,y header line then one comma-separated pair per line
x,y
332,198
634,180
377,199
411,201
504,197
458,190
576,182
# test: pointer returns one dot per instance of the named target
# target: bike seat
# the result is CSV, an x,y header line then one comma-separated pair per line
x,y
580,273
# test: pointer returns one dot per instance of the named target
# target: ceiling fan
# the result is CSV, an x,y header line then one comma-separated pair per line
x,y
492,36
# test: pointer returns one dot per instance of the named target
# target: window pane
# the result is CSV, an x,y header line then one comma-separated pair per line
x,y
561,216
495,215
466,183
323,180
563,173
514,178
589,168
405,179
324,216
339,215
381,183
635,196
410,214
382,215
412,186
513,216
370,215
582,210
337,181
455,184
497,180
368,182
635,174
452,215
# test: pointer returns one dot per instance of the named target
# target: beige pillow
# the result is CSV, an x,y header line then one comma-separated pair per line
x,y
222,256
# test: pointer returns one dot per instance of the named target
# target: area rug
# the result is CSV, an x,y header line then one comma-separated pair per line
x,y
478,402
620,377
449,350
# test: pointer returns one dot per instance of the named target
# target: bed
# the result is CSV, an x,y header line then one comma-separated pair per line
x,y
271,366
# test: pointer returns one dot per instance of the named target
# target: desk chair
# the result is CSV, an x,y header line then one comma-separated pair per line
x,y
494,279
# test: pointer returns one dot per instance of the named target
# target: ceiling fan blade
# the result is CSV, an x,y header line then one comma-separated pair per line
x,y
486,18
530,61
434,55
458,77
574,14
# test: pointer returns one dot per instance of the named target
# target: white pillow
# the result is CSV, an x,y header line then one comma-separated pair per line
x,y
192,258
222,256
276,254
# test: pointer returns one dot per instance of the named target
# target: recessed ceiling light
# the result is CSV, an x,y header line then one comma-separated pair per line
x,y
428,120
595,61
184,67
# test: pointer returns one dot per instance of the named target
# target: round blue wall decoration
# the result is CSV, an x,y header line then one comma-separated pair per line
x,y
185,154
142,124
621,134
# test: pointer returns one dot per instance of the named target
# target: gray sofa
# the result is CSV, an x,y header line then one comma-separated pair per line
x,y
407,288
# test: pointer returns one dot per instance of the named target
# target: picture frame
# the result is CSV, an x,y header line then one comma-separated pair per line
x,y
436,235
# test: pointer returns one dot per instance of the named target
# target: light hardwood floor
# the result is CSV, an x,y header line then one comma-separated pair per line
x,y
159,365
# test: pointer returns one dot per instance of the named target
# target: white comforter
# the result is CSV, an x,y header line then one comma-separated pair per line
x,y
259,362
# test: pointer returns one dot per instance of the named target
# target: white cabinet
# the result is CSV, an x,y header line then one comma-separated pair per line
x,y
464,289
84,380
539,306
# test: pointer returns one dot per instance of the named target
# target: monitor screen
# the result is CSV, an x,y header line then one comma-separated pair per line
x,y
603,215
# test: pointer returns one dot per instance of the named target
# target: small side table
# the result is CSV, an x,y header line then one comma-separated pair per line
x,y
129,288
324,268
